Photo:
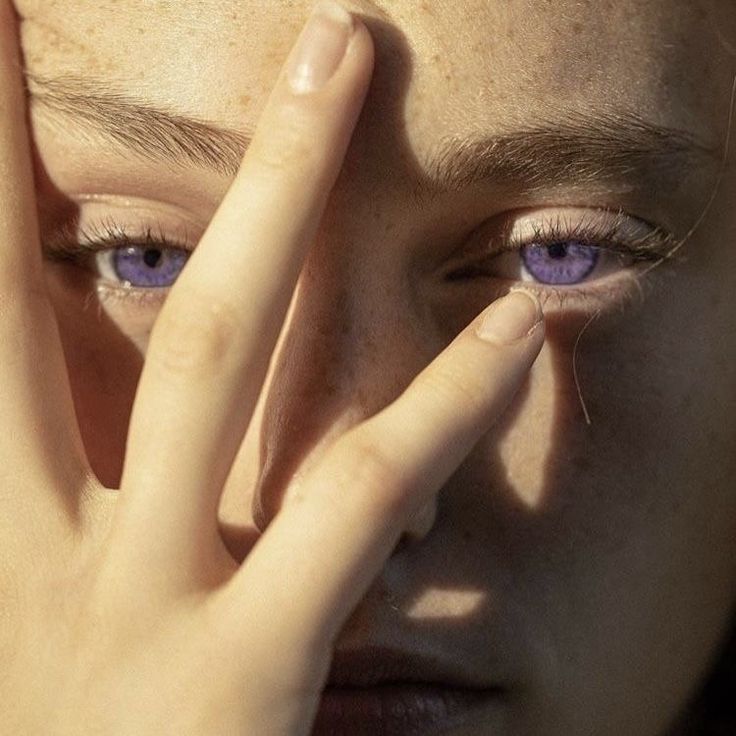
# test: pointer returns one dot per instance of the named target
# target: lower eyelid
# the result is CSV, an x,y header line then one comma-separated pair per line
x,y
131,297
608,293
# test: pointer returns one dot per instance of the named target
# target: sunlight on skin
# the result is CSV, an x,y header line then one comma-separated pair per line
x,y
440,603
526,463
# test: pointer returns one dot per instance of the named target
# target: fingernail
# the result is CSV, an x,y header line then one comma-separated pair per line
x,y
512,318
320,48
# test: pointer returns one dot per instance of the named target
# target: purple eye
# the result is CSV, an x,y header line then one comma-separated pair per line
x,y
566,262
147,266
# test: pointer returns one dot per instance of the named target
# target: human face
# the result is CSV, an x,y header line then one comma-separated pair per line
x,y
585,568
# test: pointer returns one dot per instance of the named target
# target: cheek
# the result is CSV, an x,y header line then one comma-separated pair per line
x,y
104,366
524,441
625,525
654,392
543,446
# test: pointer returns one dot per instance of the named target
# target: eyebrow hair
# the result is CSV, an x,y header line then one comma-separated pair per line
x,y
565,149
137,126
575,149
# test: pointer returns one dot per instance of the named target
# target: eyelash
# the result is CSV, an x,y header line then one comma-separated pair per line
x,y
72,245
596,231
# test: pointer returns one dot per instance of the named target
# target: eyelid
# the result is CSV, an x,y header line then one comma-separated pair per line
x,y
84,245
613,230
72,242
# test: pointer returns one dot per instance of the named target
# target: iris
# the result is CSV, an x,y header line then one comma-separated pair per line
x,y
565,262
148,266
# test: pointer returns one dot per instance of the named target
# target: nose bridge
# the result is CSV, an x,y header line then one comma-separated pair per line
x,y
330,372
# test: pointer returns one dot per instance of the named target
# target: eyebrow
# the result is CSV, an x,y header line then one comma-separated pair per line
x,y
579,149
139,127
562,150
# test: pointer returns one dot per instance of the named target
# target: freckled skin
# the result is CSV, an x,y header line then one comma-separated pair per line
x,y
600,594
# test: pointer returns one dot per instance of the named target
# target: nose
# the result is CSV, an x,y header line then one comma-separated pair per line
x,y
345,354
350,346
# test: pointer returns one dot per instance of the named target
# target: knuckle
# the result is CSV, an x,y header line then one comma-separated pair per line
x,y
452,387
379,474
195,340
372,463
289,146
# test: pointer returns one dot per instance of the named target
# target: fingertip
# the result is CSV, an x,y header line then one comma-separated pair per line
x,y
330,44
360,56
515,317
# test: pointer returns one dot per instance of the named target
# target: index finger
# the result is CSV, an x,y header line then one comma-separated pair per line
x,y
324,548
214,338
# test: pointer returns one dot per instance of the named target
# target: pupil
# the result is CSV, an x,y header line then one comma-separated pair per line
x,y
557,250
152,257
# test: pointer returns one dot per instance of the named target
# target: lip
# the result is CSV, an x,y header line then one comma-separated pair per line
x,y
375,691
397,709
374,665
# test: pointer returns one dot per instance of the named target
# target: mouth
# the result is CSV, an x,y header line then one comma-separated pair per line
x,y
397,709
381,692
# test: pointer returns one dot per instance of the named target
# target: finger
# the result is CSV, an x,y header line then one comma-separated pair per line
x,y
40,435
214,337
335,531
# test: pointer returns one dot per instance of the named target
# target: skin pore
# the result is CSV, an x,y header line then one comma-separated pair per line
x,y
585,567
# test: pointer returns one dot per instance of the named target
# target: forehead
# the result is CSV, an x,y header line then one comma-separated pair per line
x,y
456,64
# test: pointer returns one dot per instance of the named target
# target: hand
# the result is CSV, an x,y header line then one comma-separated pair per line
x,y
122,612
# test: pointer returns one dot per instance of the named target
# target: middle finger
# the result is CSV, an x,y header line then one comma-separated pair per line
x,y
213,340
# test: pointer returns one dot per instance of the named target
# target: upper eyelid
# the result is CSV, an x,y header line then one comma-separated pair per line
x,y
609,292
71,241
596,226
